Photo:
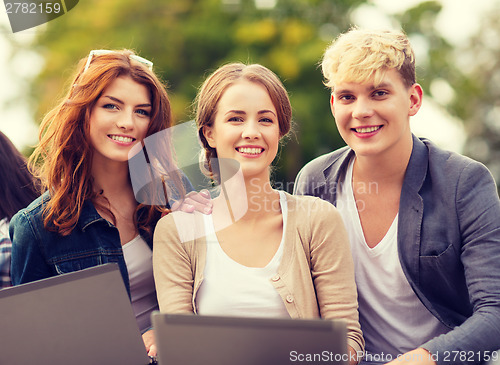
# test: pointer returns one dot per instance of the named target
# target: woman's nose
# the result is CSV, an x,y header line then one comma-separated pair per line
x,y
251,130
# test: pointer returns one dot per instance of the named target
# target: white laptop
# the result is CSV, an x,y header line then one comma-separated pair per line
x,y
81,318
209,340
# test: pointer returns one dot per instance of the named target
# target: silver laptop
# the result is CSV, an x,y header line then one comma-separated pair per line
x,y
81,318
209,340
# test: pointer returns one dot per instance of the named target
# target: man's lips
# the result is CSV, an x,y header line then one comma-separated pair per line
x,y
366,132
369,129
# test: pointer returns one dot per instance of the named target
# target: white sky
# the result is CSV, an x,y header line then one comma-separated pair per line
x,y
16,120
456,22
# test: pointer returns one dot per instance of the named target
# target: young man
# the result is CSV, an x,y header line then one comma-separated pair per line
x,y
424,223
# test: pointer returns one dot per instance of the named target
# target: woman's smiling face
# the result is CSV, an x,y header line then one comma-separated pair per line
x,y
246,128
119,119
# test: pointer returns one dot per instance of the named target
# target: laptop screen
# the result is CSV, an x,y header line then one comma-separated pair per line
x,y
212,340
79,318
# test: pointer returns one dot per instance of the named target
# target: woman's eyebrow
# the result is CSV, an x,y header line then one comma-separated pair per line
x,y
147,105
235,112
116,100
266,111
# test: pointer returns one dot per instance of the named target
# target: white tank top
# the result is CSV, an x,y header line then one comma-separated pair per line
x,y
138,257
392,318
232,289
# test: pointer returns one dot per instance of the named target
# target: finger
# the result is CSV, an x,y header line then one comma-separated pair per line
x,y
205,193
183,206
175,206
186,207
152,350
199,201
203,206
202,197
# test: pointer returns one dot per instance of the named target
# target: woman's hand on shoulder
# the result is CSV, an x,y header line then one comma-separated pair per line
x,y
195,201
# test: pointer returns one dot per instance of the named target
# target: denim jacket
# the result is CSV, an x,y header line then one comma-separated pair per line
x,y
38,253
448,242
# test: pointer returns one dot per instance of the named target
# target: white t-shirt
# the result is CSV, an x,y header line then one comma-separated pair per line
x,y
138,257
232,289
392,318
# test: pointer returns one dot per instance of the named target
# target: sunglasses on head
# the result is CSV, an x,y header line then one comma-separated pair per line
x,y
100,52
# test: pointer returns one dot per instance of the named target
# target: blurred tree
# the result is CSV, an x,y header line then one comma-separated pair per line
x,y
464,79
187,39
480,99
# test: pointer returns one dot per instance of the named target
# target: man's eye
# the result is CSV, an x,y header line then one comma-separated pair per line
x,y
380,93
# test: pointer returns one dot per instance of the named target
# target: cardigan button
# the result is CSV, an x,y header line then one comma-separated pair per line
x,y
289,298
275,278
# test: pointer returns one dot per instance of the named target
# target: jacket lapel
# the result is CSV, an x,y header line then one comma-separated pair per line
x,y
334,174
411,207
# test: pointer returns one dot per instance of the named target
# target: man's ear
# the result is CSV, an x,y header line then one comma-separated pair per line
x,y
332,108
209,135
416,94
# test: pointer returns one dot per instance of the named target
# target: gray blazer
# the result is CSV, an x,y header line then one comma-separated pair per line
x,y
448,242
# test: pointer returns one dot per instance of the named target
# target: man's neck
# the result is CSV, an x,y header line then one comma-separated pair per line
x,y
386,168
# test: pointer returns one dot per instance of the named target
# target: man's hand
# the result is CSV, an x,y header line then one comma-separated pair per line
x,y
199,201
353,356
149,341
418,356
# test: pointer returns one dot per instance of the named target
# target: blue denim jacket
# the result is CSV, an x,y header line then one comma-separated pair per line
x,y
448,242
38,253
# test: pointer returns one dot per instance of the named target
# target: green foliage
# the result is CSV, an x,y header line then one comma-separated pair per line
x,y
187,39
479,94
473,72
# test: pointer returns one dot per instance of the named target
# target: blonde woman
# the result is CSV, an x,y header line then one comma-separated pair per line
x,y
285,256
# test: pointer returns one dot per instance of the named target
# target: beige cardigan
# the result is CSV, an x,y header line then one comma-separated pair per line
x,y
315,277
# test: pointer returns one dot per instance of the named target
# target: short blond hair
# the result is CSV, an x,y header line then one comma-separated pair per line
x,y
361,55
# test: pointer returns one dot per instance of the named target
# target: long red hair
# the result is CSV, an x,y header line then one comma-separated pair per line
x,y
62,159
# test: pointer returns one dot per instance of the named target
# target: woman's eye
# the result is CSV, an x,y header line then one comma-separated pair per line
x,y
143,112
235,119
267,120
110,106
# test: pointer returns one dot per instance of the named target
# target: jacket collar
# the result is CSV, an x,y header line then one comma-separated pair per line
x,y
417,166
341,160
415,173
89,215
335,172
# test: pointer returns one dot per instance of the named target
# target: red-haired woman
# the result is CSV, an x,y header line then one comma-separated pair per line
x,y
89,214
